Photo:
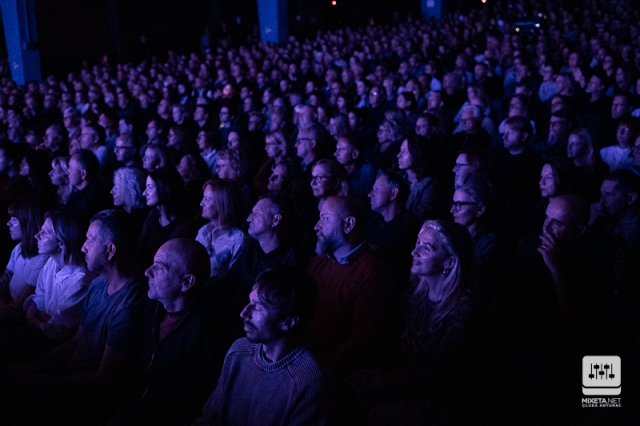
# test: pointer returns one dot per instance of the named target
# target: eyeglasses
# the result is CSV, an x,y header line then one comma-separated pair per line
x,y
122,148
456,206
300,140
315,179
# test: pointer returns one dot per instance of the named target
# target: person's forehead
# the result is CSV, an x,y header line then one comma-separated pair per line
x,y
609,186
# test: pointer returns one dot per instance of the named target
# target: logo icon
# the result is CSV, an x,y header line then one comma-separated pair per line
x,y
601,375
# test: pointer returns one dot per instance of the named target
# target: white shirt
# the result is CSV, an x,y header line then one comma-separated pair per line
x,y
617,158
61,296
25,271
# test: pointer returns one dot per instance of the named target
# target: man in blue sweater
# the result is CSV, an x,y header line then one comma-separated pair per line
x,y
269,377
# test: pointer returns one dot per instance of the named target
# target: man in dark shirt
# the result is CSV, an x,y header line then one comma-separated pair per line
x,y
391,229
183,343
555,145
88,196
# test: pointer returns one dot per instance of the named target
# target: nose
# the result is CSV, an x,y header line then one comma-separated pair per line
x,y
149,272
244,314
84,248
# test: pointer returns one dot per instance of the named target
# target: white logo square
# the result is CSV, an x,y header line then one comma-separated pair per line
x,y
601,375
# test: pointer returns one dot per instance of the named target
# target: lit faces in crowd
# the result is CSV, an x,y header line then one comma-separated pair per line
x,y
549,182
381,193
405,161
345,154
47,241
15,231
462,169
209,205
273,148
164,278
95,249
429,257
329,229
75,172
151,193
260,220
262,322
124,150
614,200
576,148
465,211
322,183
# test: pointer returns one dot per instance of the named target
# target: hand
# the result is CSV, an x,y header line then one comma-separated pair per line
x,y
549,250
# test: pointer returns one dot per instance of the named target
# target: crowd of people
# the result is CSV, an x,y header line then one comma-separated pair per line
x,y
417,223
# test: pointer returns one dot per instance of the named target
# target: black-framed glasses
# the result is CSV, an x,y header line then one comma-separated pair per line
x,y
456,206
300,140
319,178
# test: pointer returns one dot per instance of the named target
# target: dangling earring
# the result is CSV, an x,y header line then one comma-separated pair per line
x,y
446,272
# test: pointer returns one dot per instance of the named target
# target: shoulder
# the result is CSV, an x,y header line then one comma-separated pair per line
x,y
242,347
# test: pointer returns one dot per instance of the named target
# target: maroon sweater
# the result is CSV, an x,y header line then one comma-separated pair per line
x,y
354,320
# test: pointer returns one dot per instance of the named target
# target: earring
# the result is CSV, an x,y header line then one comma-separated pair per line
x,y
446,272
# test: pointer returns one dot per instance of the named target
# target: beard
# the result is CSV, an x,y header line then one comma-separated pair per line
x,y
328,244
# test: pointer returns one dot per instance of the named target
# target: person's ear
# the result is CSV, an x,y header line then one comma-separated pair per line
x,y
581,230
83,174
289,323
277,218
312,143
394,194
111,251
481,210
632,197
450,263
187,282
355,154
349,224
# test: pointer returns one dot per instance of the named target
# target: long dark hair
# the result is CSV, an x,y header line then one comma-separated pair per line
x,y
68,230
27,211
169,188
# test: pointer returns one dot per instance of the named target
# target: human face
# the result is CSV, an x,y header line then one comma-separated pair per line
x,y
224,115
322,184
465,211
208,204
380,195
558,222
86,138
304,145
233,141
150,160
164,277
329,229
74,172
15,231
469,122
150,193
549,183
556,104
429,256
344,152
462,168
278,178
223,169
405,160
58,176
261,321
619,107
614,200
124,151
558,126
202,141
636,152
47,241
95,250
623,136
152,131
117,192
511,137
260,220
576,148
422,126
273,148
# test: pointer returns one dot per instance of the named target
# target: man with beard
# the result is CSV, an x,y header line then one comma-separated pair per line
x,y
555,145
356,292
269,377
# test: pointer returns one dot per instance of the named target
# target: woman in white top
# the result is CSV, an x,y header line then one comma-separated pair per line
x,y
19,279
223,205
56,307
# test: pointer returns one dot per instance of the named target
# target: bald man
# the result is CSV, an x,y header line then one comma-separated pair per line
x,y
182,343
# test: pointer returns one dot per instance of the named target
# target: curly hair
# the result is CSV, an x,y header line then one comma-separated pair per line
x,y
132,182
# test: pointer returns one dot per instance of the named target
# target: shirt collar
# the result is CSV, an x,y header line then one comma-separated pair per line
x,y
351,256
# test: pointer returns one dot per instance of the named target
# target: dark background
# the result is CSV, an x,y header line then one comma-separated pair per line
x,y
71,31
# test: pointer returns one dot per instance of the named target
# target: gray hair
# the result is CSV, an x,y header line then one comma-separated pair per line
x,y
133,183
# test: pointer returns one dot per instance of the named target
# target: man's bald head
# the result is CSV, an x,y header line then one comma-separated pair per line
x,y
345,207
189,257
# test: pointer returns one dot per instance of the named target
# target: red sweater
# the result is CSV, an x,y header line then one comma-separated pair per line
x,y
353,324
